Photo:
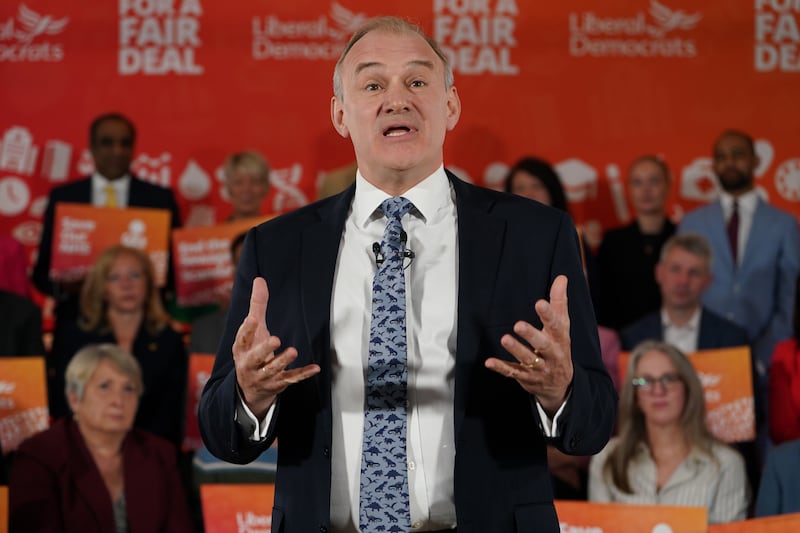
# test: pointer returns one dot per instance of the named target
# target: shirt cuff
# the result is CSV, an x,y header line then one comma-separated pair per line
x,y
550,426
254,429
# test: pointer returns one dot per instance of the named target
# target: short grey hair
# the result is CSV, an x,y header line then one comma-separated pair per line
x,y
694,243
392,25
84,363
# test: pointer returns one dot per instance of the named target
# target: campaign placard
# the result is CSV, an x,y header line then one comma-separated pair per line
x,y
81,232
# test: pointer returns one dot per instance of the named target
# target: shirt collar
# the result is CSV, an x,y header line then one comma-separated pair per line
x,y
101,181
429,197
693,324
747,202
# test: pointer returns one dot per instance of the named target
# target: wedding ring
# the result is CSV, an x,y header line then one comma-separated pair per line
x,y
534,363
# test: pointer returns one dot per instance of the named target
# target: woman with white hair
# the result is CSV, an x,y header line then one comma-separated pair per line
x,y
664,453
93,471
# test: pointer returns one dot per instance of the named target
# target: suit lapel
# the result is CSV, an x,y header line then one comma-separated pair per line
x,y
759,234
319,252
718,234
480,243
88,482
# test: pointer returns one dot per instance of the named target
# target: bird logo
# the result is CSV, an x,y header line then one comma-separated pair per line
x,y
347,20
33,24
671,19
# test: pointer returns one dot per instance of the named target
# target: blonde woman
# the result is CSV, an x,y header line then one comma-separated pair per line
x,y
92,471
664,453
120,304
246,183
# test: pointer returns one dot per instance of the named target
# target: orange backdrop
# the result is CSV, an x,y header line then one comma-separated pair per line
x,y
589,85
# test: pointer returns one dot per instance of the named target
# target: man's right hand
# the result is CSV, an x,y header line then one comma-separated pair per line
x,y
260,371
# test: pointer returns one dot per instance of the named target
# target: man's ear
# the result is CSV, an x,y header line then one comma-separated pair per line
x,y
453,108
337,117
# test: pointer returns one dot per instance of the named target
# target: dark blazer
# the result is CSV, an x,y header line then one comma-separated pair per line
x,y
20,326
140,194
55,485
780,483
509,250
626,284
715,332
164,371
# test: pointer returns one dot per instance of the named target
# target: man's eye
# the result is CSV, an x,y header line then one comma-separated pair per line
x,y
418,83
372,87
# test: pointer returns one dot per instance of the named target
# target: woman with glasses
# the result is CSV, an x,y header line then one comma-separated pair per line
x,y
120,304
664,453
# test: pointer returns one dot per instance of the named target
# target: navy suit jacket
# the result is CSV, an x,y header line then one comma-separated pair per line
x,y
780,483
140,194
509,251
715,332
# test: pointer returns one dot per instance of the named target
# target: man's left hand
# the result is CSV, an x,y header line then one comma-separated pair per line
x,y
544,365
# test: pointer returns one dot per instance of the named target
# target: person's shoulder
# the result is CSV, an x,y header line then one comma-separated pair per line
x,y
17,302
776,215
727,455
66,191
714,320
152,190
699,214
49,445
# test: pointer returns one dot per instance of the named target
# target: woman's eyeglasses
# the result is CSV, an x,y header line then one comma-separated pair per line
x,y
648,384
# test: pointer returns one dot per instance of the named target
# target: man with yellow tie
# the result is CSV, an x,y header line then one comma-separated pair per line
x,y
111,141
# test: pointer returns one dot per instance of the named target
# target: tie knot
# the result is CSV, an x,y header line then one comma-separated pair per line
x,y
396,207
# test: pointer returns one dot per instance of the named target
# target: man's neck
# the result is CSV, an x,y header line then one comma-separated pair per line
x,y
651,223
396,182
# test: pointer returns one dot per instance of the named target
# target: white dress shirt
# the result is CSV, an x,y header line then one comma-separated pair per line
x,y
100,193
431,276
682,337
747,210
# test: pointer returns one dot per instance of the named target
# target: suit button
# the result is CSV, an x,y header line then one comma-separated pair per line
x,y
323,529
326,451
573,442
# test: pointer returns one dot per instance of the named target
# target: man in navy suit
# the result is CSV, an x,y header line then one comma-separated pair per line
x,y
112,137
683,273
495,370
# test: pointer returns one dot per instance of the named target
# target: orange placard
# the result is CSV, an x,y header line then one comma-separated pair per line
x,y
771,524
23,400
575,516
727,378
83,231
202,259
3,509
200,366
235,508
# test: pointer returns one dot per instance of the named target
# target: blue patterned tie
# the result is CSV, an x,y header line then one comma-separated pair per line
x,y
384,502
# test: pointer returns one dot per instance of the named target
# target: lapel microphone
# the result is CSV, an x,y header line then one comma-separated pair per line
x,y
407,254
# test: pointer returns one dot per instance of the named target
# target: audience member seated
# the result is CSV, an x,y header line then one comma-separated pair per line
x,y
246,183
683,274
664,453
207,330
111,141
784,384
20,326
626,287
779,492
92,471
120,304
14,263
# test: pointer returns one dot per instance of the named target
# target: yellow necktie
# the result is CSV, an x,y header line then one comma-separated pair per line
x,y
111,196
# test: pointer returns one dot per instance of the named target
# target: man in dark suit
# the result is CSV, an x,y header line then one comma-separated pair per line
x,y
111,140
683,273
495,371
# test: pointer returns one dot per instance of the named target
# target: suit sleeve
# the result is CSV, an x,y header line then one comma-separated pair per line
x,y
217,411
592,407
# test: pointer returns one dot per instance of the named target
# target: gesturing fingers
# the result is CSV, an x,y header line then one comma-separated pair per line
x,y
555,313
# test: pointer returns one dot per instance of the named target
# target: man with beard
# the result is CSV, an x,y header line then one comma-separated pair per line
x,y
756,249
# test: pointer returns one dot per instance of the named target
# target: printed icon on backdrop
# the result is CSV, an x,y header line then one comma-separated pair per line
x,y
494,176
671,19
698,182
194,183
287,184
55,163
17,151
579,179
765,153
29,233
787,180
347,20
33,24
14,196
617,192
